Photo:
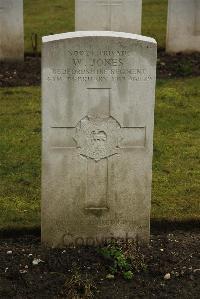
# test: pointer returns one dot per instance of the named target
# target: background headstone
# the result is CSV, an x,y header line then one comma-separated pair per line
x,y
183,26
98,116
11,30
111,15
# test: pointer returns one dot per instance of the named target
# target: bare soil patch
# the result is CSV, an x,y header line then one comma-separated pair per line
x,y
82,271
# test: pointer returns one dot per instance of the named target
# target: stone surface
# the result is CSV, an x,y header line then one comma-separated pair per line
x,y
11,30
98,113
112,15
183,26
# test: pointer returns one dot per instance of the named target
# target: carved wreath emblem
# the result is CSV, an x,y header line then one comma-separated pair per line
x,y
98,138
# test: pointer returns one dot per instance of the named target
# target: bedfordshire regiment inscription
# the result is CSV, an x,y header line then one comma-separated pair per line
x,y
102,65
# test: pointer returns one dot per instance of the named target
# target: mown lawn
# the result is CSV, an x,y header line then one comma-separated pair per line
x,y
176,171
154,20
56,16
19,157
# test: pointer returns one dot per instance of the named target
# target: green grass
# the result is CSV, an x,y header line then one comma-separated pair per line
x,y
46,17
176,171
154,21
20,157
56,16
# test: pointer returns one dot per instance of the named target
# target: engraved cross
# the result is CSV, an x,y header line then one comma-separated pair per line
x,y
97,137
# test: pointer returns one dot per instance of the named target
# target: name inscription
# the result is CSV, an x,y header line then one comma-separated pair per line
x,y
99,66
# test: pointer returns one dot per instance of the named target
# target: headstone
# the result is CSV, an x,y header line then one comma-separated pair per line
x,y
183,29
11,30
98,117
112,15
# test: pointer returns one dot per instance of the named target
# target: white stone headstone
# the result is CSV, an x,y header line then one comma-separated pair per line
x,y
183,26
11,30
112,15
98,91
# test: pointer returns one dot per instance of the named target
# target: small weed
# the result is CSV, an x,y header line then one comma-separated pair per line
x,y
128,275
119,262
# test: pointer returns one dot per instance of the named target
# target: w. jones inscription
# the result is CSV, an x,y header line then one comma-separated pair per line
x,y
100,65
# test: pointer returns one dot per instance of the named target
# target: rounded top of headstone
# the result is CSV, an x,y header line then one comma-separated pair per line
x,y
77,34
